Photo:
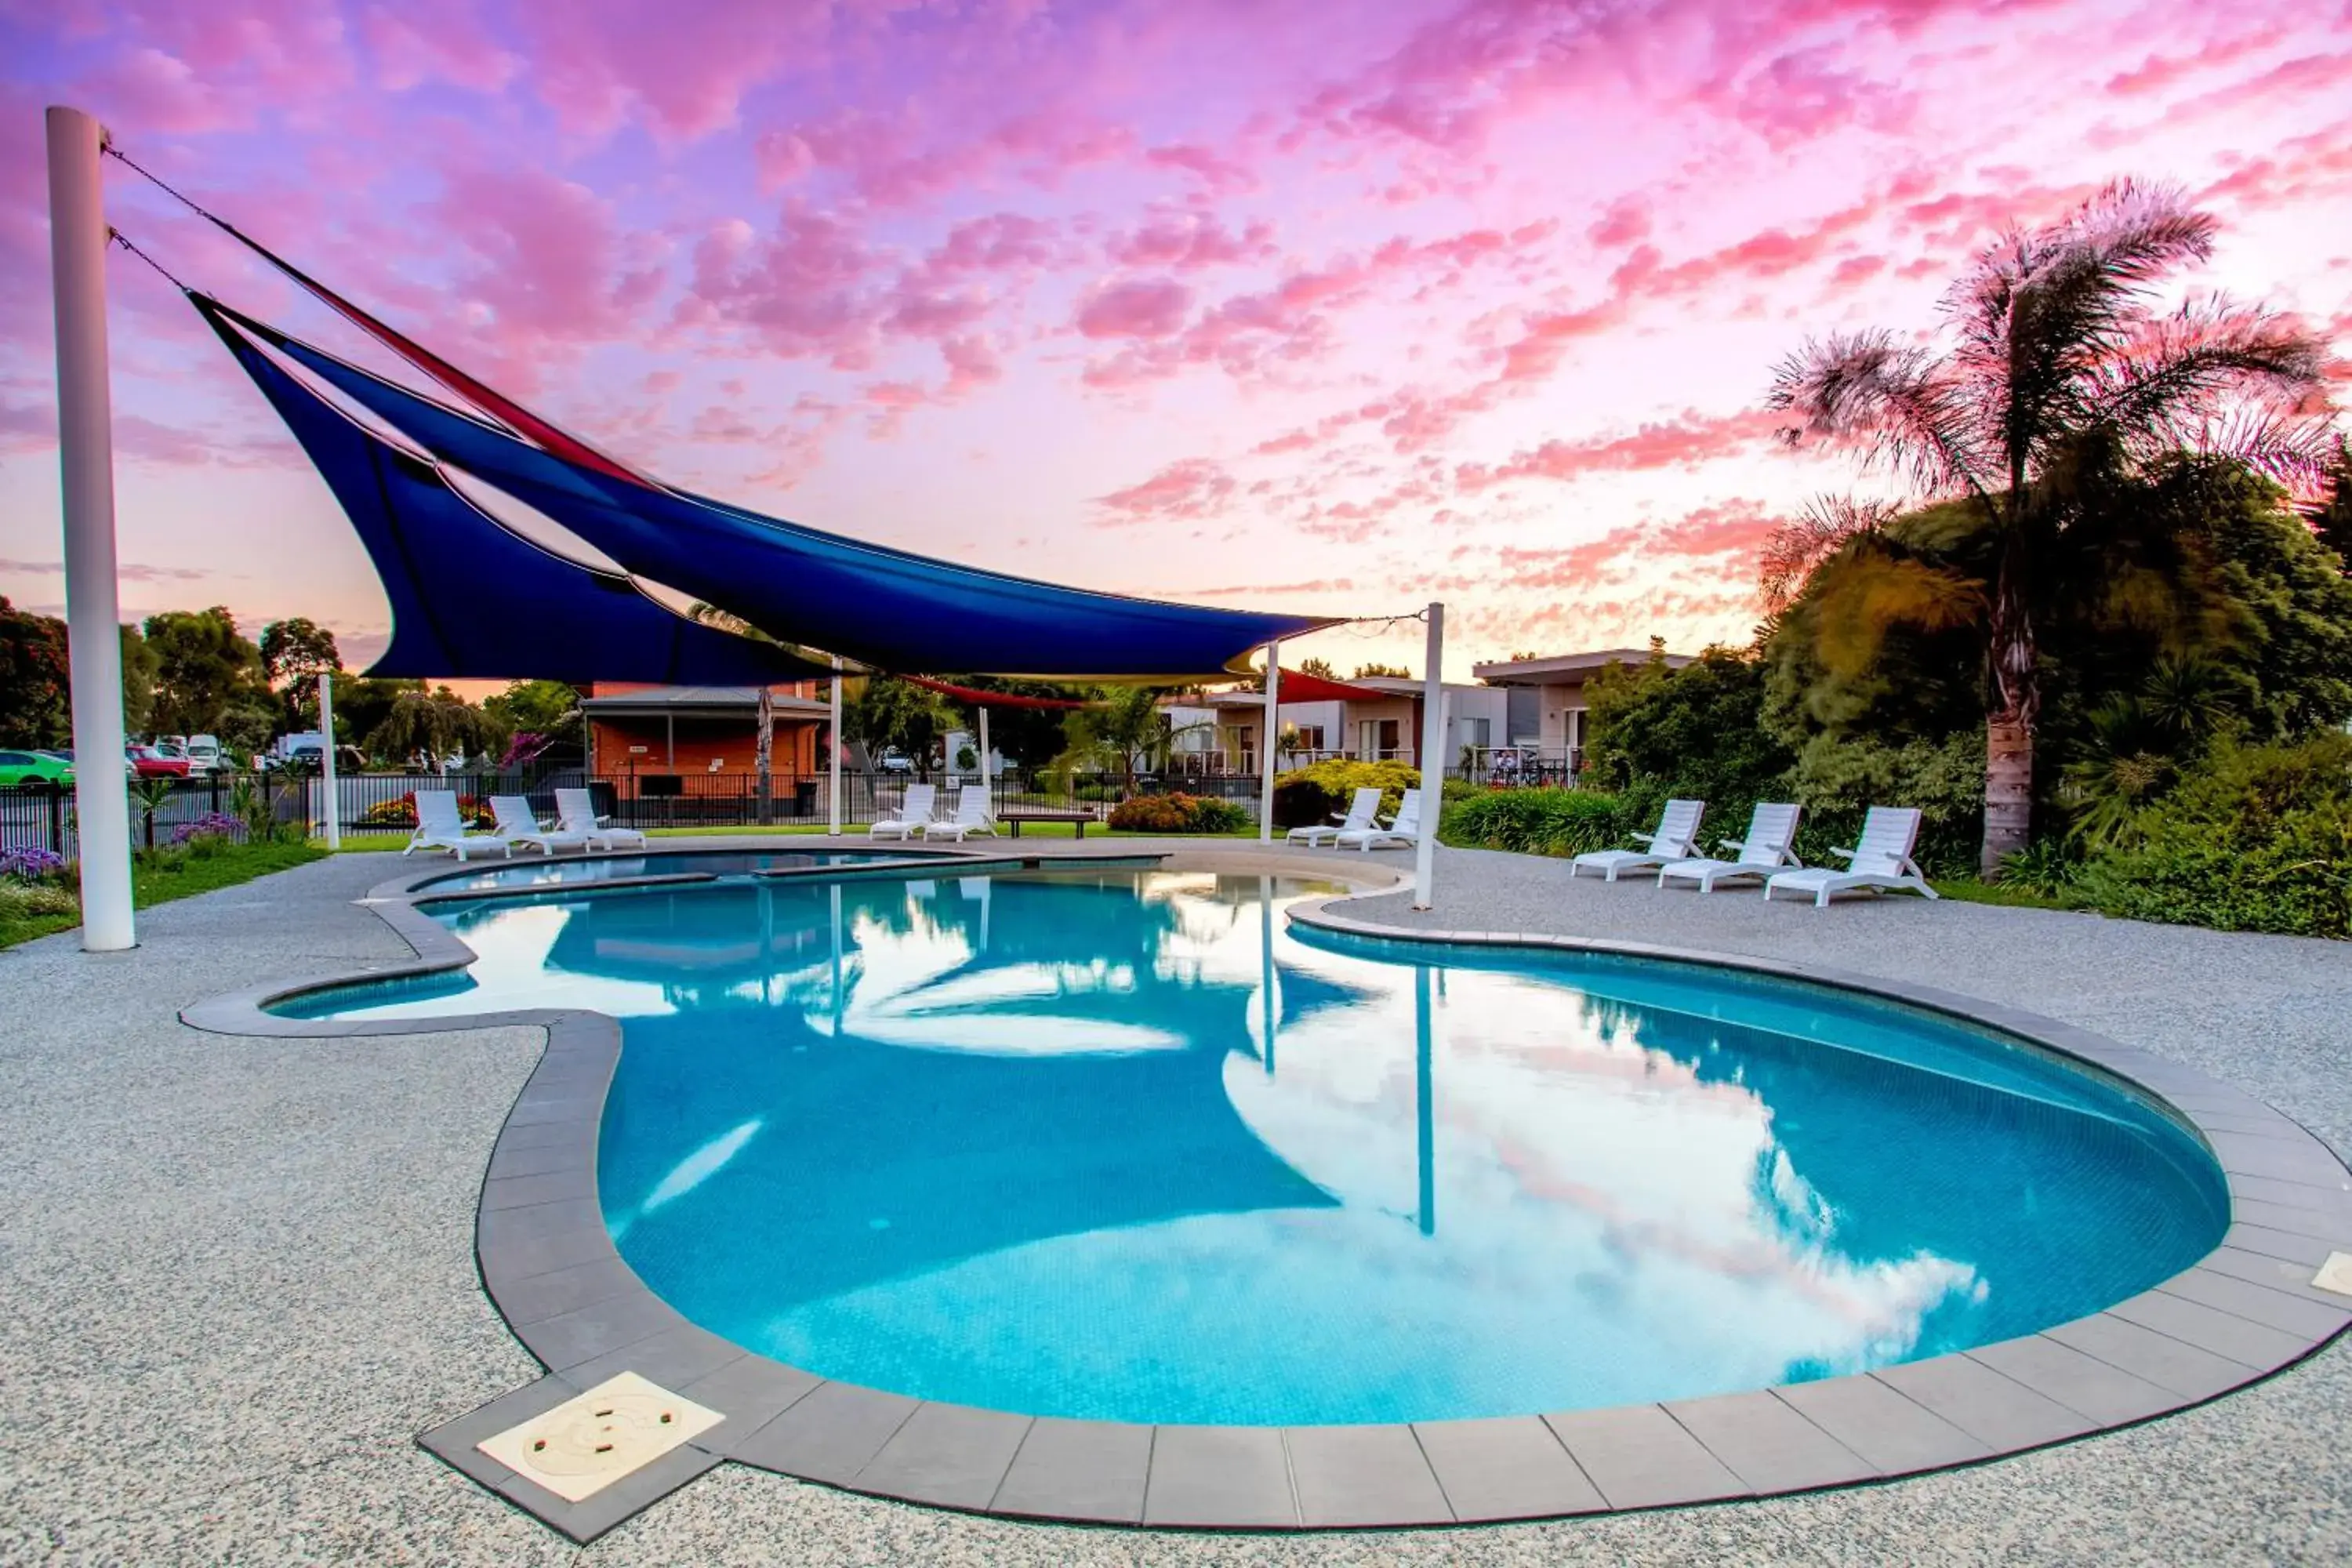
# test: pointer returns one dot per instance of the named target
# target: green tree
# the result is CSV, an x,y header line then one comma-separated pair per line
x,y
2063,376
2195,562
140,668
207,674
1127,731
2331,520
362,702
438,723
1029,736
1318,667
883,711
297,648
1395,670
1698,729
35,695
548,709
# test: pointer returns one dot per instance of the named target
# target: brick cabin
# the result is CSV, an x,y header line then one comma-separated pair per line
x,y
698,731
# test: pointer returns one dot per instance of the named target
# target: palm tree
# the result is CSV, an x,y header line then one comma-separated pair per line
x,y
2063,374
1127,730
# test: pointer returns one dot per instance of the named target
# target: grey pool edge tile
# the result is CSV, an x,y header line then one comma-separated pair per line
x,y
582,1050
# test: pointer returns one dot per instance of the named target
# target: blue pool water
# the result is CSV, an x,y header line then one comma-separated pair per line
x,y
531,869
1120,1145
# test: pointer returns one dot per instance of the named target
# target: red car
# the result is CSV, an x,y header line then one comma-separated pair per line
x,y
150,764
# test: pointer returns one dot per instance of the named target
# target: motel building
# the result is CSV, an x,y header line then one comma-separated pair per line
x,y
681,731
1521,715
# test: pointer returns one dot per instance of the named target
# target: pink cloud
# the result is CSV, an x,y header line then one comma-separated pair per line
x,y
1184,242
1689,439
1187,491
414,43
1152,308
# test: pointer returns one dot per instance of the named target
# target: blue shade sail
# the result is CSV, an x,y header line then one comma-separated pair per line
x,y
888,609
472,599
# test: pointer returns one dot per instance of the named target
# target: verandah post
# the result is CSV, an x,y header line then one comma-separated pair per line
x,y
1433,761
1266,730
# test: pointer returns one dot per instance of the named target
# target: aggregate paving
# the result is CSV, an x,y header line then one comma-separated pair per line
x,y
240,1276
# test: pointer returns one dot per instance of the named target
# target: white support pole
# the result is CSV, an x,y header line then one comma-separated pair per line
x,y
77,240
1266,730
833,762
333,806
1433,761
985,780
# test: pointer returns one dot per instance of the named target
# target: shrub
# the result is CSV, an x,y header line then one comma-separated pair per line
x,y
31,864
1177,814
402,813
212,827
1837,779
2257,838
1535,821
32,901
1311,795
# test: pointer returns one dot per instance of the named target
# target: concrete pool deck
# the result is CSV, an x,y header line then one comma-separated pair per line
x,y
239,1283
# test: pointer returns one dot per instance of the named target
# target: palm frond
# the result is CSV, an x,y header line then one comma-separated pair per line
x,y
1803,543
1894,405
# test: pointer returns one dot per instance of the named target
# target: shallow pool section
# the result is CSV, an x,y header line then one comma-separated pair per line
x,y
1120,1145
531,869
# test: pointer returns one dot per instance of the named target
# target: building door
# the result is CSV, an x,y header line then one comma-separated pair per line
x,y
1377,739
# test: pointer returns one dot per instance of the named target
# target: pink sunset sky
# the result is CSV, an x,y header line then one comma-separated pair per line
x,y
1334,307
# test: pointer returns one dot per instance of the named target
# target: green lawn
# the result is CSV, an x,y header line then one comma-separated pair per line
x,y
165,877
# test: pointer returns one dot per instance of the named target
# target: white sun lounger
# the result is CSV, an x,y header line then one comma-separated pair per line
x,y
1402,832
971,817
1769,847
519,824
1363,814
913,815
575,811
438,827
1675,840
1880,862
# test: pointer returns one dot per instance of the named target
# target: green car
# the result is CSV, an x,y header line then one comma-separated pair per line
x,y
34,770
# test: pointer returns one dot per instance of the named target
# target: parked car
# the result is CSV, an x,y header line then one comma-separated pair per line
x,y
151,763
35,770
64,754
205,754
895,761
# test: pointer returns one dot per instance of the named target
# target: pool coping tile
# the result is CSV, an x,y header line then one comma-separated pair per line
x,y
550,1266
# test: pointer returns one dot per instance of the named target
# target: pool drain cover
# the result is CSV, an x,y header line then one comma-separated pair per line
x,y
586,1443
2335,1274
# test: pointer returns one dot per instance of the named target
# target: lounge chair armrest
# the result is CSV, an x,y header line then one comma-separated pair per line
x,y
1739,844
1912,866
1847,854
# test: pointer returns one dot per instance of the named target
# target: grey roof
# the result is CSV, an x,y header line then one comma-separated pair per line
x,y
1573,666
698,699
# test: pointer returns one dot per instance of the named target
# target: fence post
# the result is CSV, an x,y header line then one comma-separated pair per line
x,y
56,819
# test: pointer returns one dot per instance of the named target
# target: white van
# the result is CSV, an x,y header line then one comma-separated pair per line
x,y
204,753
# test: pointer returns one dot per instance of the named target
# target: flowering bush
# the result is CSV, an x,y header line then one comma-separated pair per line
x,y
212,825
1177,814
524,748
402,813
31,863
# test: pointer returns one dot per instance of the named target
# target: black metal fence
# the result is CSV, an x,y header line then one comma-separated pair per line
x,y
380,802
42,818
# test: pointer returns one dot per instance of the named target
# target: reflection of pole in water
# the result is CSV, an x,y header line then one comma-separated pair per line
x,y
1265,963
836,891
1422,1120
767,943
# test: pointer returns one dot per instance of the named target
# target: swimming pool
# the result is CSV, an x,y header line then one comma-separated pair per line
x,y
559,871
1121,1145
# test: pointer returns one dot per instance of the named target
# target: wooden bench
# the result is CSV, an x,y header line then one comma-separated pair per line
x,y
1013,818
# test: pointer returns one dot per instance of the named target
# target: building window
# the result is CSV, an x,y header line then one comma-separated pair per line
x,y
1310,737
